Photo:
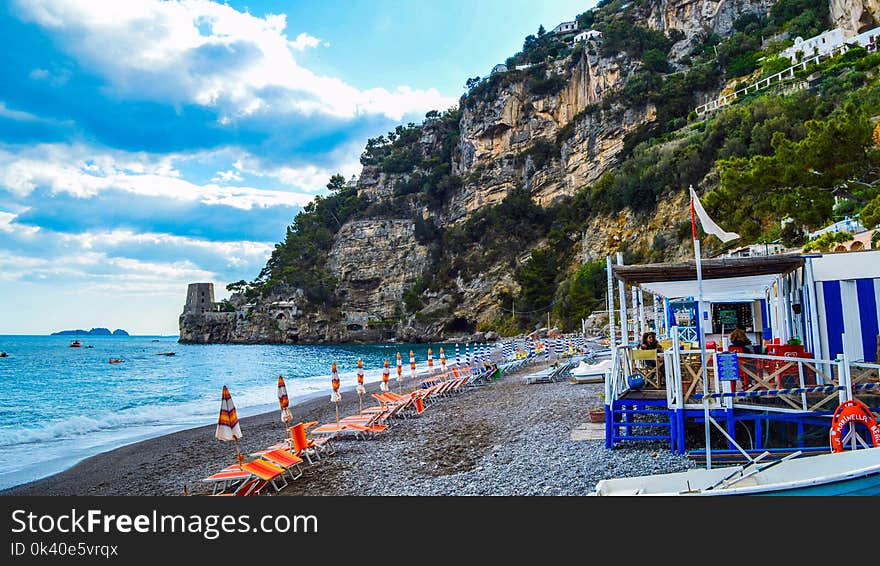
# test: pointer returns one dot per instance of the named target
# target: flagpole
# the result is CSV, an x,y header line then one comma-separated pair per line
x,y
700,314
699,309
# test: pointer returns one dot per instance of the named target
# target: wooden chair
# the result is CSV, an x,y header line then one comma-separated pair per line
x,y
649,371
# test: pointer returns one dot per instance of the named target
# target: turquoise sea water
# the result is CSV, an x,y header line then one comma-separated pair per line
x,y
59,404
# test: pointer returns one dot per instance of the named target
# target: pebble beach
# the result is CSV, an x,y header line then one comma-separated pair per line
x,y
505,438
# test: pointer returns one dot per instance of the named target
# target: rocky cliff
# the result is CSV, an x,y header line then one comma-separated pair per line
x,y
552,127
855,16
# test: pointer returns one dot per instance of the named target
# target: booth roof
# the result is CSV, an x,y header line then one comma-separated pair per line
x,y
724,279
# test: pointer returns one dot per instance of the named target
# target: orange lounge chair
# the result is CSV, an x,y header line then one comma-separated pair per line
x,y
267,471
283,458
252,486
226,478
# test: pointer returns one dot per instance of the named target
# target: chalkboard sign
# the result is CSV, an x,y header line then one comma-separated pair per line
x,y
728,316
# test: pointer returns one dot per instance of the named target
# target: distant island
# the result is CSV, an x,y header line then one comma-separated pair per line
x,y
92,332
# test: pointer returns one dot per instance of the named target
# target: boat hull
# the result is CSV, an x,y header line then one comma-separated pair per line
x,y
855,472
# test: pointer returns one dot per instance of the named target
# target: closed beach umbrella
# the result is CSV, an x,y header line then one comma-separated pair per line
x,y
442,361
384,385
412,365
227,425
430,363
283,401
399,371
336,396
360,385
457,357
467,354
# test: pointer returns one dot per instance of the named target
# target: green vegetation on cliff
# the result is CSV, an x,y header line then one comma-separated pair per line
x,y
770,166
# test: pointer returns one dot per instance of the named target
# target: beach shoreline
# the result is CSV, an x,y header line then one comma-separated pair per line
x,y
503,438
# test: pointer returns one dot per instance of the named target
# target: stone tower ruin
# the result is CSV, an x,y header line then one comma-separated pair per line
x,y
199,298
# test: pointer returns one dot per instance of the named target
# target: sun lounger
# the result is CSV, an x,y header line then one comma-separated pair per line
x,y
304,447
283,458
252,486
267,471
227,478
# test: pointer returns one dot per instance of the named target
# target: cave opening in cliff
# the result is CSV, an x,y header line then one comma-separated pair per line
x,y
460,324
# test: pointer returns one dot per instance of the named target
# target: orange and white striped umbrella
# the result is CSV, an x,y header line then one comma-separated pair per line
x,y
384,385
227,426
412,364
336,396
283,401
360,374
399,368
430,362
442,360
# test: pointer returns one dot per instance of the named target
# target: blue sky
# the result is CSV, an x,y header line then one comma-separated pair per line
x,y
148,144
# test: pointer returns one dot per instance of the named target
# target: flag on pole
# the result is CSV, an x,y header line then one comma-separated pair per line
x,y
709,226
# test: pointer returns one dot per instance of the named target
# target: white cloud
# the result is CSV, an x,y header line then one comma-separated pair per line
x,y
8,225
18,115
309,178
195,51
125,261
304,41
227,176
83,173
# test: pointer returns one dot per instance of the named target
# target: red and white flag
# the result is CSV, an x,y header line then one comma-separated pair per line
x,y
707,223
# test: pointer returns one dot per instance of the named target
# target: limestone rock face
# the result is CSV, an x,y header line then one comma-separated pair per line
x,y
375,263
855,16
552,141
697,18
500,136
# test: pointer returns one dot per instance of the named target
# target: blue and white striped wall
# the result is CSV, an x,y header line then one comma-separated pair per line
x,y
847,299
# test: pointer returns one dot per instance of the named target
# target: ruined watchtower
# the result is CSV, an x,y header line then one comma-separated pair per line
x,y
199,298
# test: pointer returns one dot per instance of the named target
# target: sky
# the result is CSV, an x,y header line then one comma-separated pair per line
x,y
148,144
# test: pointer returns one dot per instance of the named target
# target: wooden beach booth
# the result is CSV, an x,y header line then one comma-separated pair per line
x,y
813,322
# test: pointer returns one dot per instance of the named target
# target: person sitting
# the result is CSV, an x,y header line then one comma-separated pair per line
x,y
739,339
649,342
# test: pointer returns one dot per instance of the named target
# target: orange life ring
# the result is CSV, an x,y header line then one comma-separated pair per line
x,y
852,412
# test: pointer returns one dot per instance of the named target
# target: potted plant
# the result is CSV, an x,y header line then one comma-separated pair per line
x,y
598,415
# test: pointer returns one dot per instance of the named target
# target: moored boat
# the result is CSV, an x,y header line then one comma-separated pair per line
x,y
852,472
75,344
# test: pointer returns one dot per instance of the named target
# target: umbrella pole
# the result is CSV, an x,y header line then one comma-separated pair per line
x,y
337,412
239,457
360,402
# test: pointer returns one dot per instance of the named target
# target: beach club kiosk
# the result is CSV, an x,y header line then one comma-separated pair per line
x,y
813,321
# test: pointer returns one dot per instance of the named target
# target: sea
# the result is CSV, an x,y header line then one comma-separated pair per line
x,y
59,405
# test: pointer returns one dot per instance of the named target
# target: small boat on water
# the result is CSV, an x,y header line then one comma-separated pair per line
x,y
4,355
165,354
116,360
851,472
75,344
